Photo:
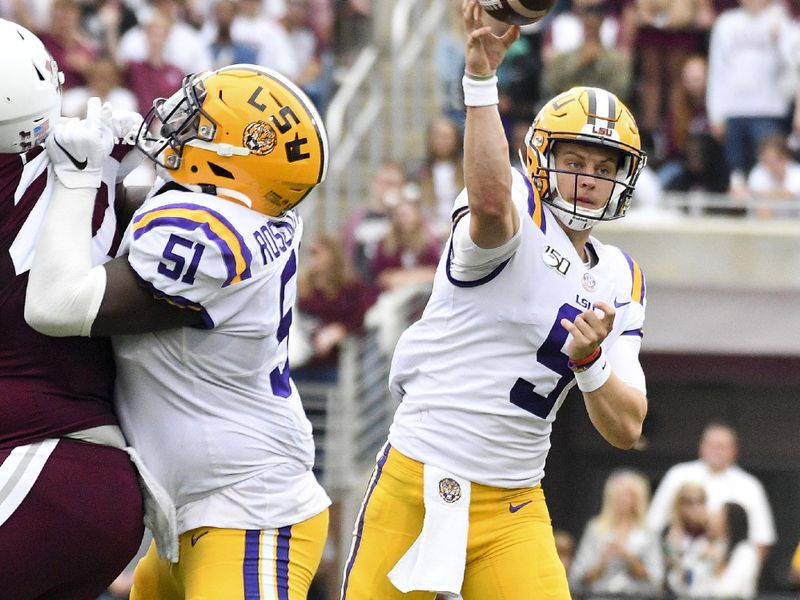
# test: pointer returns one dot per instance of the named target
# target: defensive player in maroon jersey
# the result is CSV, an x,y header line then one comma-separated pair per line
x,y
70,505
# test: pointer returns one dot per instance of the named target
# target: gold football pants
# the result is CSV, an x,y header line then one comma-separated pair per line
x,y
511,553
236,564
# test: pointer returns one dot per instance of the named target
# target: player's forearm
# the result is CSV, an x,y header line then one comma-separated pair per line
x,y
617,411
64,290
487,175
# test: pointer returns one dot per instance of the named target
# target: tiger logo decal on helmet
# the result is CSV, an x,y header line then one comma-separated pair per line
x,y
590,116
260,138
244,133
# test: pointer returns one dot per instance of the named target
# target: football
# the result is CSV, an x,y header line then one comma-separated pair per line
x,y
517,12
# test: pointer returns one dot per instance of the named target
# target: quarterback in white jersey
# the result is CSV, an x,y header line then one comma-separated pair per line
x,y
199,303
525,305
485,362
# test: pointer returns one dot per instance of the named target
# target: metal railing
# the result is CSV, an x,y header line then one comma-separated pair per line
x,y
358,141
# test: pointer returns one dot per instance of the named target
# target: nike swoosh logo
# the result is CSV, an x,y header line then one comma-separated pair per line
x,y
196,538
513,509
79,164
620,304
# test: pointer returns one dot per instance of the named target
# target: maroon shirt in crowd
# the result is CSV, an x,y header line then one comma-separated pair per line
x,y
148,82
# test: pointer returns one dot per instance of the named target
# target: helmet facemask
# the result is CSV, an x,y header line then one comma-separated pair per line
x,y
173,122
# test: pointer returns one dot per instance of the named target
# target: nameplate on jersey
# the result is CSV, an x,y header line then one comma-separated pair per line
x,y
553,259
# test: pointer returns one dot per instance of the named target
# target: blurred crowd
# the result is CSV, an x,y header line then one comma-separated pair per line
x,y
714,84
133,51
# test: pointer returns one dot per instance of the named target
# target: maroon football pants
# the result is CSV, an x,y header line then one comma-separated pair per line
x,y
77,528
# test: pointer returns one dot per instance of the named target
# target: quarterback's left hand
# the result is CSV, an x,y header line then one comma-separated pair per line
x,y
78,148
589,329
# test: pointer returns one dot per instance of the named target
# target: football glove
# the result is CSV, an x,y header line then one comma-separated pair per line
x,y
78,148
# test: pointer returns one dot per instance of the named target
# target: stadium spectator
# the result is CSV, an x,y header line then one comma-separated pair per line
x,y
307,53
367,226
409,252
731,565
471,432
154,77
71,515
566,30
105,21
724,481
102,80
702,167
70,46
183,46
745,101
441,175
241,484
776,176
519,75
617,553
256,28
449,66
685,539
668,32
224,49
687,116
331,304
592,63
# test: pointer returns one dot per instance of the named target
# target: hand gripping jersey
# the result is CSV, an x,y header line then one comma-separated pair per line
x,y
48,386
483,373
212,411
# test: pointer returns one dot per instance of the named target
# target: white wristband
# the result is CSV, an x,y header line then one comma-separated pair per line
x,y
480,92
595,376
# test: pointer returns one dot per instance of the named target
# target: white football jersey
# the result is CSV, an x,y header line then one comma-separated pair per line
x,y
212,410
482,374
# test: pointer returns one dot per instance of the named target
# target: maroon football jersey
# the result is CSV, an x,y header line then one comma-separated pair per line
x,y
48,386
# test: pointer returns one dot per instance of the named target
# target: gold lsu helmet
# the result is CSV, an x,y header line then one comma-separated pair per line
x,y
244,133
591,116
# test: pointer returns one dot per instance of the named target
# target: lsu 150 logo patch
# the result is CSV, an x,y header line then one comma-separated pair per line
x,y
449,490
553,259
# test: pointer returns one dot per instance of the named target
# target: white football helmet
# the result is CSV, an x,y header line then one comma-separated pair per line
x,y
30,89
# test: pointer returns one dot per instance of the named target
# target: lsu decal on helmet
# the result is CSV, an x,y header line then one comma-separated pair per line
x,y
30,92
244,133
588,116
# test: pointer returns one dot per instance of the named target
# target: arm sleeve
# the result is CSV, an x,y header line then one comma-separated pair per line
x,y
64,291
624,359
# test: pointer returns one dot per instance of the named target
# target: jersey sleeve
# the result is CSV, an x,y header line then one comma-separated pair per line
x,y
632,297
469,265
189,255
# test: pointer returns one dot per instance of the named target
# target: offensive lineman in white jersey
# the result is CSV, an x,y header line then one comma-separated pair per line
x,y
209,406
525,304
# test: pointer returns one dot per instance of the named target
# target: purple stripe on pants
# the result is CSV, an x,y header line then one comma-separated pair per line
x,y
252,538
360,530
282,568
